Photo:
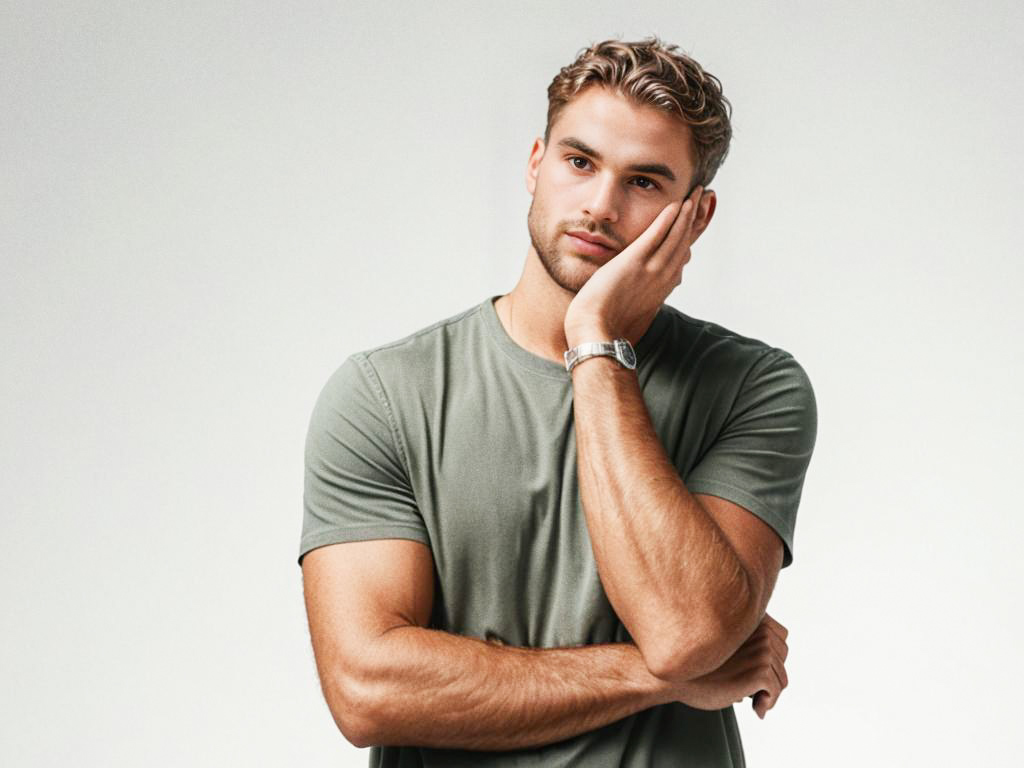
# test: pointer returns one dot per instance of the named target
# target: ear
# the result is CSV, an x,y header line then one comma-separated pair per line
x,y
705,210
533,166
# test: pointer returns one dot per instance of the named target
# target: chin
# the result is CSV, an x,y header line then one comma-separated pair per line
x,y
566,269
571,273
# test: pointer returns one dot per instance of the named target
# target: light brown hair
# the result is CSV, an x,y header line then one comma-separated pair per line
x,y
656,74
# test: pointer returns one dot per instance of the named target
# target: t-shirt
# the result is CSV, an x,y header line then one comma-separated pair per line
x,y
457,437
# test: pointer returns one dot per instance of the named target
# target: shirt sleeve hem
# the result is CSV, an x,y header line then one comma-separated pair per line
x,y
362,533
753,505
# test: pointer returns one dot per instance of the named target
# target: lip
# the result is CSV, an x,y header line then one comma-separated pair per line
x,y
592,245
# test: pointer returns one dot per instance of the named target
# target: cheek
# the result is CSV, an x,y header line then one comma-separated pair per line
x,y
640,218
564,186
550,206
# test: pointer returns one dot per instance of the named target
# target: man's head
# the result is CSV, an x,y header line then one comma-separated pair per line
x,y
658,75
631,127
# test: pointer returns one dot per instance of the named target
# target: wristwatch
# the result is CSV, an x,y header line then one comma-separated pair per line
x,y
620,349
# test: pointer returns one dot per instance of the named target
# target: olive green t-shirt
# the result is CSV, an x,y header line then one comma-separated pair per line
x,y
459,438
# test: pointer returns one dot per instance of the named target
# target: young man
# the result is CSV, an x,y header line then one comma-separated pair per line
x,y
545,531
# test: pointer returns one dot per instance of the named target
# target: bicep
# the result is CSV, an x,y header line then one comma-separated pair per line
x,y
756,544
355,591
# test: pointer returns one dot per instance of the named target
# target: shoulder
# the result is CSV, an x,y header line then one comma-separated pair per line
x,y
717,351
423,347
410,360
727,372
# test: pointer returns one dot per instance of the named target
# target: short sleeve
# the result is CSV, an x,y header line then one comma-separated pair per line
x,y
760,458
356,484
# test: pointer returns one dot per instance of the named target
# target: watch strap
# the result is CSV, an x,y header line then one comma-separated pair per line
x,y
619,349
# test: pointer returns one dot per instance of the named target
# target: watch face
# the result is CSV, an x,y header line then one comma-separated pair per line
x,y
626,353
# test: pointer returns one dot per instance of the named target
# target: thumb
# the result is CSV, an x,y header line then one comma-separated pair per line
x,y
761,703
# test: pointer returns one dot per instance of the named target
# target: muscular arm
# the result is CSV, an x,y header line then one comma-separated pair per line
x,y
690,578
389,680
430,688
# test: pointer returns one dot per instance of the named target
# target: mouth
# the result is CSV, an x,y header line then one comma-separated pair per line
x,y
591,245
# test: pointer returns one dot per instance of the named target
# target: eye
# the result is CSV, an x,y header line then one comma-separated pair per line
x,y
647,183
579,163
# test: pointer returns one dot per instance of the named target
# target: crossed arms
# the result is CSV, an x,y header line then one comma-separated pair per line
x,y
390,680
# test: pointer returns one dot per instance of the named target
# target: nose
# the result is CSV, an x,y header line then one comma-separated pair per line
x,y
602,204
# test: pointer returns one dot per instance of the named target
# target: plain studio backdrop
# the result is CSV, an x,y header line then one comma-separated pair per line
x,y
206,206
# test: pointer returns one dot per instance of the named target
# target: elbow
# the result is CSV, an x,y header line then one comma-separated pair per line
x,y
695,653
701,645
352,702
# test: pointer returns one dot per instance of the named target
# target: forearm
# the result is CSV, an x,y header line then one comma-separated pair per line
x,y
426,687
669,572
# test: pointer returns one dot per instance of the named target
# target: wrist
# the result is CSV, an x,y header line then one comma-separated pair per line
x,y
619,350
583,333
656,690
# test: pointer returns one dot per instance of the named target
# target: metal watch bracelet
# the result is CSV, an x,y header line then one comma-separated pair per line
x,y
619,349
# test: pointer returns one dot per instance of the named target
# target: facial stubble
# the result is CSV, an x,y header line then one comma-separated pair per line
x,y
557,263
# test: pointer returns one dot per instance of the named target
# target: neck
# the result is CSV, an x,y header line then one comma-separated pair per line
x,y
533,313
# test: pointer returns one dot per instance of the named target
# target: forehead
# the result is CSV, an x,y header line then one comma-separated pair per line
x,y
624,131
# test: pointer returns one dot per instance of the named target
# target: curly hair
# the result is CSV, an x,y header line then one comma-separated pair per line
x,y
656,74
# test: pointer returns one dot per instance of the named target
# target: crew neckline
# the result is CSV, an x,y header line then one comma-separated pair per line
x,y
550,368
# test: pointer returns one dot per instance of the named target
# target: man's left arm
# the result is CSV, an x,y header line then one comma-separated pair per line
x,y
689,575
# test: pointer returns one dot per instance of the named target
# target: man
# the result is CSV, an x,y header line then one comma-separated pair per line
x,y
511,563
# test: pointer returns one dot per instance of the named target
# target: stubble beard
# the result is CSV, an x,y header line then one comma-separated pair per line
x,y
569,272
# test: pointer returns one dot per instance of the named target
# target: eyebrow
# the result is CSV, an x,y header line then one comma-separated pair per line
x,y
655,169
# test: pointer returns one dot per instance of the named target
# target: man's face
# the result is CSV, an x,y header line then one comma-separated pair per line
x,y
610,166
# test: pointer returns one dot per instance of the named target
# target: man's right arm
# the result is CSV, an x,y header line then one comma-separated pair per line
x,y
433,688
390,680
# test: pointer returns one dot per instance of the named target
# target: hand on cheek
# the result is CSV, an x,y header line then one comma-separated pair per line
x,y
622,297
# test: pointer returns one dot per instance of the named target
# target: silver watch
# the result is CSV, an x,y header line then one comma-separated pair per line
x,y
620,349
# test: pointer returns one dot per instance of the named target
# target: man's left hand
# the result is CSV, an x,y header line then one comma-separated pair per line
x,y
622,297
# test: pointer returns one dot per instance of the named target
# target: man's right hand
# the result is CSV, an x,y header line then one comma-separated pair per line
x,y
757,669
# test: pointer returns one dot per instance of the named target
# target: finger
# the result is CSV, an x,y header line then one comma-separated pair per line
x,y
677,242
648,241
768,676
676,233
771,686
775,626
687,215
772,652
776,661
780,670
762,702
776,692
778,645
680,266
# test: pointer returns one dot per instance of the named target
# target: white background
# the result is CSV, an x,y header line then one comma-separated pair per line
x,y
206,206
